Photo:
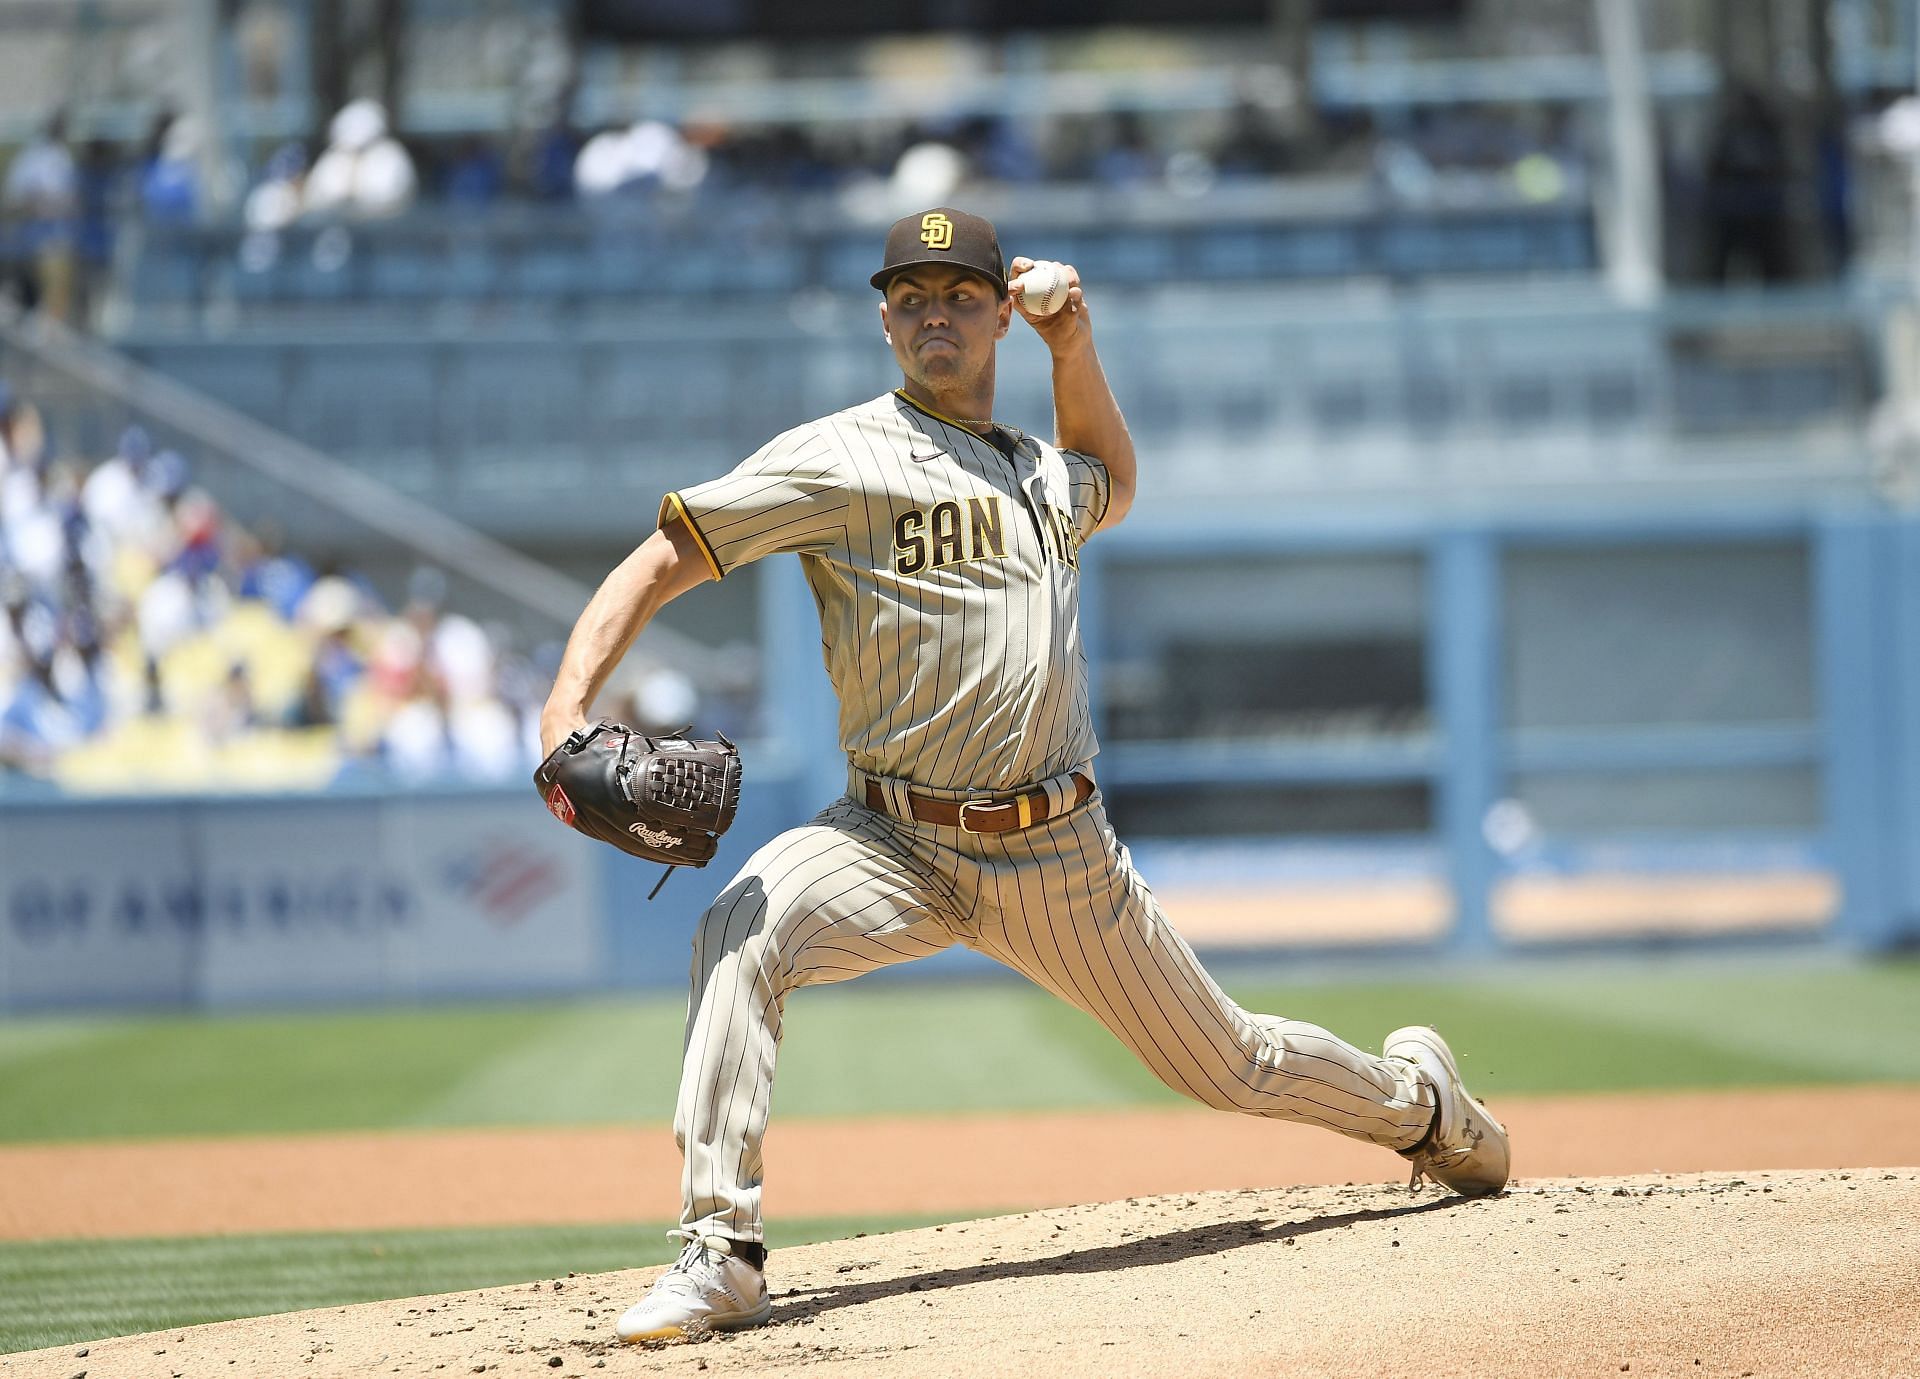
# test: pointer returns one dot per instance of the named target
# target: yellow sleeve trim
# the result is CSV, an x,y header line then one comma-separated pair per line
x,y
672,508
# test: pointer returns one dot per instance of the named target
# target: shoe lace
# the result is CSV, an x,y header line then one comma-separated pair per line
x,y
695,1260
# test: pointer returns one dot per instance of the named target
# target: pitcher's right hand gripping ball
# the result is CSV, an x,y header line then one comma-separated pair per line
x,y
667,799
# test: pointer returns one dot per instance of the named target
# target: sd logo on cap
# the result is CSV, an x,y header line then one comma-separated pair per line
x,y
944,236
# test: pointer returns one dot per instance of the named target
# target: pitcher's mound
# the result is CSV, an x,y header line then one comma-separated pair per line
x,y
1760,1274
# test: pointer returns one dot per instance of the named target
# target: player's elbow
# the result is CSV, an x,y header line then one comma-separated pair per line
x,y
1119,504
678,560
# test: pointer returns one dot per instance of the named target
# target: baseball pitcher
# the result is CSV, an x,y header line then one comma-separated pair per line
x,y
943,550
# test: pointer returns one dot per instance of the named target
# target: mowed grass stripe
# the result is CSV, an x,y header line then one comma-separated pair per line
x,y
61,1292
1814,1026
903,1050
36,1039
593,1062
893,1049
187,1075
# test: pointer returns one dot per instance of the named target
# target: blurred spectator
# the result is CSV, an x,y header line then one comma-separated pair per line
x,y
23,437
170,171
41,196
15,638
1000,151
197,521
1747,172
98,190
646,155
269,573
332,604
1128,157
1833,171
333,676
1252,145
275,201
485,739
112,496
551,162
1401,169
414,743
664,701
36,723
231,711
476,176
173,607
364,173
35,537
928,173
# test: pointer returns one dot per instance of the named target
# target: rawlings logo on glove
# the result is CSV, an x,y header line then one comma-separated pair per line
x,y
666,799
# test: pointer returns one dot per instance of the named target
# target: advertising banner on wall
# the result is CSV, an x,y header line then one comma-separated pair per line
x,y
264,901
97,906
401,898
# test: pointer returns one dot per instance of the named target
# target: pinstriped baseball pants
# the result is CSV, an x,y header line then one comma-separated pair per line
x,y
1060,903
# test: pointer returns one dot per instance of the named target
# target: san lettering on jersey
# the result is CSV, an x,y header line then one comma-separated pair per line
x,y
945,535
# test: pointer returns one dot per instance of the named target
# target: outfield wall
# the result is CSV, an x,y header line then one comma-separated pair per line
x,y
338,898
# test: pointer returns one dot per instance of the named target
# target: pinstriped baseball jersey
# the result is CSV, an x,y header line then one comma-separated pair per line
x,y
946,570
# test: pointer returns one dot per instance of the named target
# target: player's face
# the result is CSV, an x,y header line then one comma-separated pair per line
x,y
942,324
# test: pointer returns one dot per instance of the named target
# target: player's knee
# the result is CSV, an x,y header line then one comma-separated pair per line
x,y
735,947
1216,1090
734,919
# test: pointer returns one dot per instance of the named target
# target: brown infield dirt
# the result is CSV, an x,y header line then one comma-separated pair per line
x,y
1756,1239
885,1166
1755,1274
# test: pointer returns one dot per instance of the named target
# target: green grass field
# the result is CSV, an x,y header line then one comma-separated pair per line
x,y
877,1049
910,1048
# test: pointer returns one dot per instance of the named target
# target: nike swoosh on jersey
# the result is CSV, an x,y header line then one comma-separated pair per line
x,y
930,455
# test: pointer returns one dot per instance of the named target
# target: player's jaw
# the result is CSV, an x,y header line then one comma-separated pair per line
x,y
942,324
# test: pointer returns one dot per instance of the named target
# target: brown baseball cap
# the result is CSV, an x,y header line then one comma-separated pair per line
x,y
943,235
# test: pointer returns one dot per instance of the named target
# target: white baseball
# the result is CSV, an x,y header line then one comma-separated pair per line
x,y
1043,287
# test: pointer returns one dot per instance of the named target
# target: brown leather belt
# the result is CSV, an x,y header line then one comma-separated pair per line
x,y
1001,816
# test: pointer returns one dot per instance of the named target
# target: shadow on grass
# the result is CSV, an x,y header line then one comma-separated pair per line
x,y
798,1305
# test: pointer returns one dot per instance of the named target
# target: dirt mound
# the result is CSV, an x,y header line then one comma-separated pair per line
x,y
1753,1274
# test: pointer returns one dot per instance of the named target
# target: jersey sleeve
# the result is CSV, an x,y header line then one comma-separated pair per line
x,y
1092,490
790,496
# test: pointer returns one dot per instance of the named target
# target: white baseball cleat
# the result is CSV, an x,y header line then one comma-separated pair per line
x,y
1467,1150
707,1289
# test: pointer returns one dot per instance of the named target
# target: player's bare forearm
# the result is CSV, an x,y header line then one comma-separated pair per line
x,y
1085,416
1088,419
662,568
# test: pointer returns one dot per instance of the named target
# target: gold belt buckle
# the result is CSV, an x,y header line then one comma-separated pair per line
x,y
965,805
